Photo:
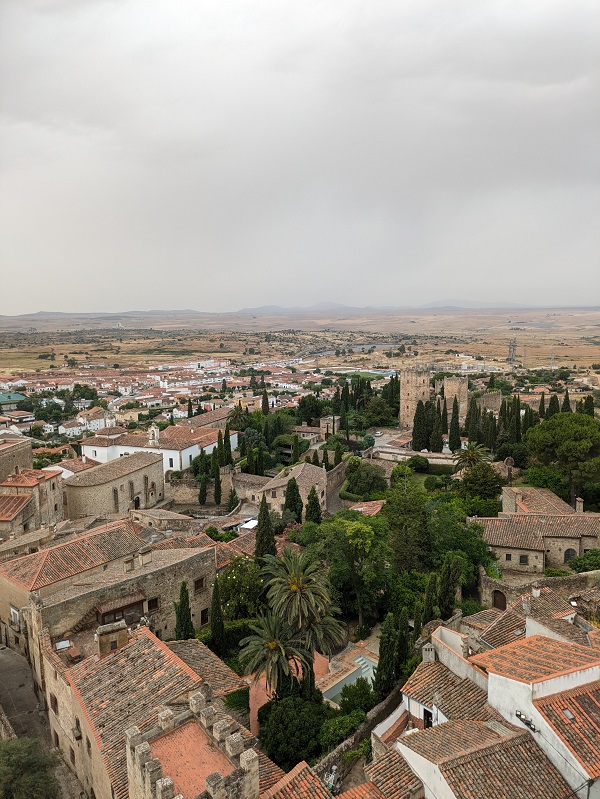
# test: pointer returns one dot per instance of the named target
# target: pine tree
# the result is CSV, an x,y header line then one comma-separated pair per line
x,y
227,457
385,676
295,449
418,621
454,435
449,577
184,628
202,491
265,402
325,461
402,643
217,627
220,449
445,418
419,432
542,407
338,454
293,500
217,489
313,507
265,539
190,410
553,406
232,500
436,442
430,598
566,404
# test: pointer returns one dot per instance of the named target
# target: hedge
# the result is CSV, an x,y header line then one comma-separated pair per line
x,y
233,634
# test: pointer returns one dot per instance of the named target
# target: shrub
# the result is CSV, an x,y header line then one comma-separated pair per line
x,y
431,483
358,696
586,563
470,606
233,634
291,731
337,729
238,700
418,463
362,632
552,572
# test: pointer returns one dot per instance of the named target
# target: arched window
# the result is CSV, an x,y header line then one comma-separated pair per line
x,y
569,555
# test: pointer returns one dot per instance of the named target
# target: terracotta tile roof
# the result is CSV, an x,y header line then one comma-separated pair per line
x,y
512,768
536,659
567,631
540,501
300,783
306,476
113,470
528,531
77,464
113,694
393,776
371,508
101,545
204,419
205,663
11,505
483,619
511,623
575,717
434,683
29,478
368,790
455,739
189,756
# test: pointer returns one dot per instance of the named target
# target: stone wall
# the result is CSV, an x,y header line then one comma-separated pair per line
x,y
6,729
564,586
15,455
414,386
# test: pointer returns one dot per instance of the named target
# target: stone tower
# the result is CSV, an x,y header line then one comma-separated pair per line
x,y
457,387
414,386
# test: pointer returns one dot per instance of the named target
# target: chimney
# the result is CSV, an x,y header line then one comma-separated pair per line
x,y
128,564
535,591
428,653
111,637
578,505
526,601
84,459
145,556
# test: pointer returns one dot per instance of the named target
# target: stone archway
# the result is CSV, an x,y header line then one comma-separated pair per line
x,y
499,600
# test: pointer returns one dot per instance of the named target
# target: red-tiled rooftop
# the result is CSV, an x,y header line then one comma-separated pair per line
x,y
370,508
536,659
188,756
300,783
11,505
575,717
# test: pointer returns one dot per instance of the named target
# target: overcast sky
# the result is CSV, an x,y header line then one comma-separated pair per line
x,y
219,154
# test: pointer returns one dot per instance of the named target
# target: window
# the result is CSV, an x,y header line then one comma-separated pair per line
x,y
88,746
94,453
524,560
204,617
113,646
200,584
508,556
153,604
14,616
55,507
54,704
569,555
55,739
72,755
171,463
273,494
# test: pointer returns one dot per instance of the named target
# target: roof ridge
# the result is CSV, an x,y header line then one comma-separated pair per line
x,y
286,779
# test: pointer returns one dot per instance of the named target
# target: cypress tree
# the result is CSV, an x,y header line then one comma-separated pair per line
x,y
418,621
295,449
250,464
553,406
445,418
472,421
402,642
190,410
184,628
345,397
242,448
217,489
430,598
202,491
325,462
265,539
429,421
265,402
492,381
228,459
293,500
588,405
449,576
220,449
385,676
223,386
260,462
436,442
217,627
542,407
313,507
315,458
566,404
214,462
343,420
454,435
232,500
338,454
419,431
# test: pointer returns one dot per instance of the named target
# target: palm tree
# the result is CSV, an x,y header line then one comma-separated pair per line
x,y
237,416
274,650
471,456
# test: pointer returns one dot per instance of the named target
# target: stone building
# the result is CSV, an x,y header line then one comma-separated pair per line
x,y
29,500
130,482
414,386
457,387
15,455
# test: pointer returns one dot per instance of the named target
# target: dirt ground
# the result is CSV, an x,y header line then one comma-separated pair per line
x,y
20,704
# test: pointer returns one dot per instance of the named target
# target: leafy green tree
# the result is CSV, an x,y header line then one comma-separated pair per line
x,y
378,412
313,507
385,675
588,406
449,532
454,435
293,500
418,621
470,456
217,626
232,500
338,728
553,406
265,539
430,598
358,696
402,643
26,770
184,627
570,442
364,478
275,650
420,439
202,491
407,518
309,408
481,480
291,731
240,587
451,571
217,489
